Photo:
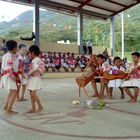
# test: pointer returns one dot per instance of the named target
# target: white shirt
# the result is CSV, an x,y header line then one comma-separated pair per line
x,y
8,62
116,82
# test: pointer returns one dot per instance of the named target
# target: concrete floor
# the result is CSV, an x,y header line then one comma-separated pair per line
x,y
61,120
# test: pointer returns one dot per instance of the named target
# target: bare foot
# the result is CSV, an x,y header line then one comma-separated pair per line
x,y
23,99
122,97
110,97
40,109
129,101
95,95
132,101
18,99
101,97
10,112
5,108
31,111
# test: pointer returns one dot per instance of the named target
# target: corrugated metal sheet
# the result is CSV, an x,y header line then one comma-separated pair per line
x,y
100,9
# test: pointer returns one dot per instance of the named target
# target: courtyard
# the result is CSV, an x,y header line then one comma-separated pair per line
x,y
61,120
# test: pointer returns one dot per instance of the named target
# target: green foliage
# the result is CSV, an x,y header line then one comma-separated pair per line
x,y
56,26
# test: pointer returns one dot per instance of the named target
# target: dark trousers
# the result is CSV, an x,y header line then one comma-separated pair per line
x,y
85,49
90,50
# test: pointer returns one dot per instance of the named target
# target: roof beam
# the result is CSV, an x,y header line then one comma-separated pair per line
x,y
23,2
49,3
95,6
127,7
73,10
93,14
59,6
114,2
108,10
83,4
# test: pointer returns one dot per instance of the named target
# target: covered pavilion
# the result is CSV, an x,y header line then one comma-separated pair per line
x,y
99,9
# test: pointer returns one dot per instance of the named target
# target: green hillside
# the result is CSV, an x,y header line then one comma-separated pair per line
x,y
56,26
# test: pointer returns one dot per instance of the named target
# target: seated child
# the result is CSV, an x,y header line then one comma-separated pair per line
x,y
46,62
64,63
57,62
54,54
50,61
133,79
68,55
9,72
72,63
102,67
60,55
77,61
36,69
117,82
82,63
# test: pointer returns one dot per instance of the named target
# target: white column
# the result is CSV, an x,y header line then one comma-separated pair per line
x,y
112,35
36,22
80,31
122,35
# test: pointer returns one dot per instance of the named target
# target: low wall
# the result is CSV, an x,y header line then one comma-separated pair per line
x,y
45,47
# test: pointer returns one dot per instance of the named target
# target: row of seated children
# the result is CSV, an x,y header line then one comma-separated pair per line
x,y
132,80
64,60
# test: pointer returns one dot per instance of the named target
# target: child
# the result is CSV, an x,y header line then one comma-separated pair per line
x,y
8,75
77,61
60,55
23,65
117,82
72,62
64,63
36,69
102,67
57,62
46,63
50,60
133,79
82,63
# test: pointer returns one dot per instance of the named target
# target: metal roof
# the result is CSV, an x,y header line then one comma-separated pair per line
x,y
100,9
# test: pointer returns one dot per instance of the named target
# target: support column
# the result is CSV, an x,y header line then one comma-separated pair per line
x,y
112,35
36,22
122,35
80,31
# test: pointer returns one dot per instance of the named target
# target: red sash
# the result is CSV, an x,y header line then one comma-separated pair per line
x,y
14,73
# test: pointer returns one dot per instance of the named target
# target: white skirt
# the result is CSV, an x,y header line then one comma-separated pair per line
x,y
115,83
8,83
47,65
34,83
23,80
131,83
65,65
72,66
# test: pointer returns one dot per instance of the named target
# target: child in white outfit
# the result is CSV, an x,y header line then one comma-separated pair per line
x,y
36,69
23,66
116,83
133,79
9,74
